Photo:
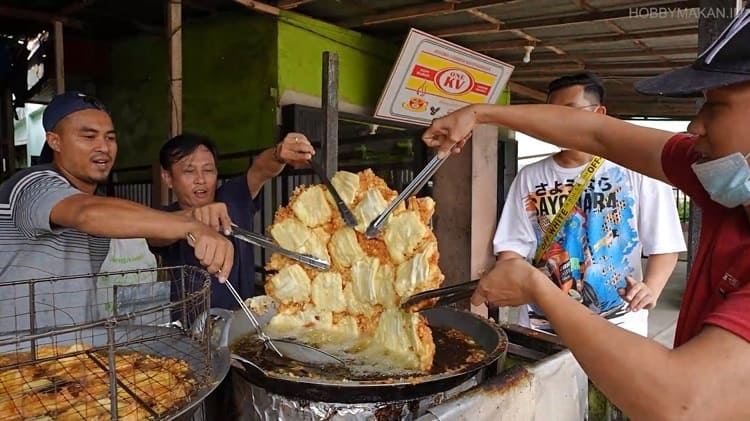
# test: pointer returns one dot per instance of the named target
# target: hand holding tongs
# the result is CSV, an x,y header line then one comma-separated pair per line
x,y
420,180
265,242
447,295
344,210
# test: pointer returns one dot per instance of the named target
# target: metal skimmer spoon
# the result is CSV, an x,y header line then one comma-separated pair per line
x,y
289,349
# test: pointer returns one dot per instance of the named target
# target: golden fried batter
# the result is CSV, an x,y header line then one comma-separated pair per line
x,y
355,304
65,386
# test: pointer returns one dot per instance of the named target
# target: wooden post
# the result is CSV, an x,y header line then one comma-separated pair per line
x,y
59,58
330,105
174,17
160,194
715,17
466,208
507,158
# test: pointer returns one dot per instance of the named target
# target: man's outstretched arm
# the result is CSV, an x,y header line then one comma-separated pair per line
x,y
635,147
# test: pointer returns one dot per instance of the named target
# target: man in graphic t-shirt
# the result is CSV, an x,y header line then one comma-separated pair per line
x,y
596,254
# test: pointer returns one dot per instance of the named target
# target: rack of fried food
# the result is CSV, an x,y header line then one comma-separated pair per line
x,y
354,306
73,383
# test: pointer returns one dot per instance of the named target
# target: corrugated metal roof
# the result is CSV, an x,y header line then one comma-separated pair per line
x,y
622,40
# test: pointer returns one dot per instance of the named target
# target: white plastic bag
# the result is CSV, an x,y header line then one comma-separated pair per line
x,y
134,291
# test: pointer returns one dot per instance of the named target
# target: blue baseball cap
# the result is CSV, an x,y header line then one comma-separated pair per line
x,y
725,62
60,107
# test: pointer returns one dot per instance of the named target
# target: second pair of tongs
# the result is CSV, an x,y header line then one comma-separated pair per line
x,y
420,180
344,210
267,243
440,296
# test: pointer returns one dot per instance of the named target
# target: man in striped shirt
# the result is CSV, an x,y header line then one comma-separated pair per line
x,y
52,224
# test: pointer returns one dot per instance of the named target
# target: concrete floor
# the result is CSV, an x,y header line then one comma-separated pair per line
x,y
662,320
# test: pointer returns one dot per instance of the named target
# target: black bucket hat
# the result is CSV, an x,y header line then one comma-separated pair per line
x,y
725,62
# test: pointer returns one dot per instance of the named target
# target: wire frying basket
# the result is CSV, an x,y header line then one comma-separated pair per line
x,y
130,345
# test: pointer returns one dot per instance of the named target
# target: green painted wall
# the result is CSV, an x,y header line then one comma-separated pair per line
x,y
229,69
364,62
136,96
235,67
229,66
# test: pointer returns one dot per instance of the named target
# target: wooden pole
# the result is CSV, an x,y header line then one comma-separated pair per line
x,y
330,99
175,66
59,58
160,193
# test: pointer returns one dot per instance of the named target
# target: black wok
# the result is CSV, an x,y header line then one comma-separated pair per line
x,y
486,334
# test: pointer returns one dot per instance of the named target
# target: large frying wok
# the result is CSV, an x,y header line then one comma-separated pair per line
x,y
485,333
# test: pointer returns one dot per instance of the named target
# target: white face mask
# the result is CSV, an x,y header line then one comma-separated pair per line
x,y
727,179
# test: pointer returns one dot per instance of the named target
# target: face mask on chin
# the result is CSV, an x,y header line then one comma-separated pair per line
x,y
727,179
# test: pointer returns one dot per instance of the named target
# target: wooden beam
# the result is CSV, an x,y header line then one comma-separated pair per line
x,y
527,24
606,77
521,34
485,17
291,4
75,7
260,7
411,12
548,69
499,45
511,45
596,55
473,29
635,67
600,55
59,58
430,9
33,15
621,68
527,92
595,16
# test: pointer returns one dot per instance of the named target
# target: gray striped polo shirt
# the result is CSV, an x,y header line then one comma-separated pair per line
x,y
31,249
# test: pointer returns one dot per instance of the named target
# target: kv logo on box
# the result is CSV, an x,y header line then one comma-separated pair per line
x,y
454,81
433,77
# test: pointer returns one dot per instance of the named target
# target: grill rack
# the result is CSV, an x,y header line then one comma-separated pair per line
x,y
59,337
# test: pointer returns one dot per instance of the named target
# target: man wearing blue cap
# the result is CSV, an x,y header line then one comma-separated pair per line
x,y
707,374
52,224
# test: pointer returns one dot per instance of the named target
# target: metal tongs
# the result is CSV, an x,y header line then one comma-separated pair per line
x,y
284,348
265,242
445,296
344,210
420,180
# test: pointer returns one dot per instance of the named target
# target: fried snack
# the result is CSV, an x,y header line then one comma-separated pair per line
x,y
355,305
73,383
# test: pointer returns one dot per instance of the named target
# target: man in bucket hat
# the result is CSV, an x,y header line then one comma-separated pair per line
x,y
707,374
